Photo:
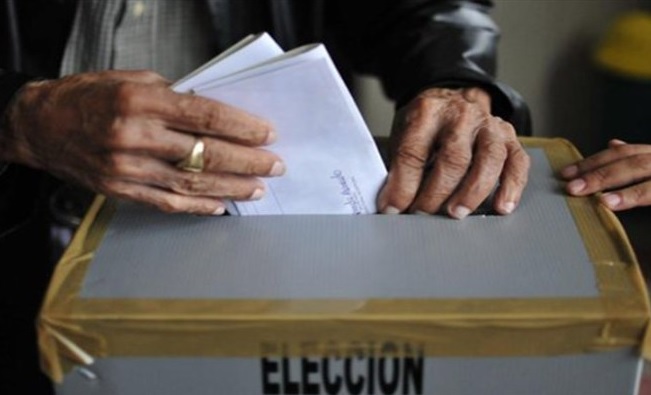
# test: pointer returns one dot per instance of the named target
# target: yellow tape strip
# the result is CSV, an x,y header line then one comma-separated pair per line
x,y
72,330
616,266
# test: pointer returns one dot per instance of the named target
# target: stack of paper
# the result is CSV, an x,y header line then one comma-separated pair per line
x,y
333,164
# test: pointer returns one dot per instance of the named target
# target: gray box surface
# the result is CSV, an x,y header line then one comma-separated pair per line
x,y
530,303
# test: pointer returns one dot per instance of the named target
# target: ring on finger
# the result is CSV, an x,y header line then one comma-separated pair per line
x,y
194,161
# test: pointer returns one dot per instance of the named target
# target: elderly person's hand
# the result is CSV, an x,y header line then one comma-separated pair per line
x,y
122,133
449,153
622,170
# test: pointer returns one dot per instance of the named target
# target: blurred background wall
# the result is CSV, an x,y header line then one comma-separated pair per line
x,y
546,53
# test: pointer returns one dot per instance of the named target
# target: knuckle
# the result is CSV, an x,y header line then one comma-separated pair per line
x,y
422,104
639,193
624,150
464,112
150,75
171,204
188,184
211,119
439,188
598,176
220,159
454,140
207,117
454,160
506,128
420,111
411,157
201,112
636,195
127,97
119,135
494,150
522,157
448,182
116,165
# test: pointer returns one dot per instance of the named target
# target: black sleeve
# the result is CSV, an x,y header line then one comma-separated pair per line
x,y
24,243
10,83
18,184
412,45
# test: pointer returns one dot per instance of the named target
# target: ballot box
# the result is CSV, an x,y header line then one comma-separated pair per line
x,y
548,300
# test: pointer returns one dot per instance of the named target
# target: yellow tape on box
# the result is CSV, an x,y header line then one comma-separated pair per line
x,y
76,330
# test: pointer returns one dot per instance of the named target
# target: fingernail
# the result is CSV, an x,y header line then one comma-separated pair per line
x,y
570,171
257,194
278,169
576,186
420,212
271,137
508,207
460,212
391,210
219,211
612,200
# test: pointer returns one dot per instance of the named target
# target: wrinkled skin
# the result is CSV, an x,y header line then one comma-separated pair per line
x,y
449,153
120,134
622,171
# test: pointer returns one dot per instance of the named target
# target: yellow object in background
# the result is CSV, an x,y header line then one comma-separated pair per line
x,y
626,46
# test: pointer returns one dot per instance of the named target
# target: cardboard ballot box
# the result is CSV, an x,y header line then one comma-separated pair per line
x,y
548,300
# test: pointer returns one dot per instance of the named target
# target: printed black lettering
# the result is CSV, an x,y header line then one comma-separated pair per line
x,y
332,387
289,387
268,367
355,368
353,387
371,375
308,367
413,371
389,382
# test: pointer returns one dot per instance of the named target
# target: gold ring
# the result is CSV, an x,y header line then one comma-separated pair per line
x,y
194,161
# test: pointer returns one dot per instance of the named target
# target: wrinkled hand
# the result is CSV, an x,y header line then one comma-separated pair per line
x,y
121,133
449,153
623,170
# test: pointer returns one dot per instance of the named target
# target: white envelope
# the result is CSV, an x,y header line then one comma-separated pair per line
x,y
333,164
251,50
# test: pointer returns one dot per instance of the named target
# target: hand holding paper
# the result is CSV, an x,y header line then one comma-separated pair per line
x,y
333,165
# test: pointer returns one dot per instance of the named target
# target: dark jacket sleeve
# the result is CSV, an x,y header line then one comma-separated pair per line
x,y
18,184
415,44
10,83
25,256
